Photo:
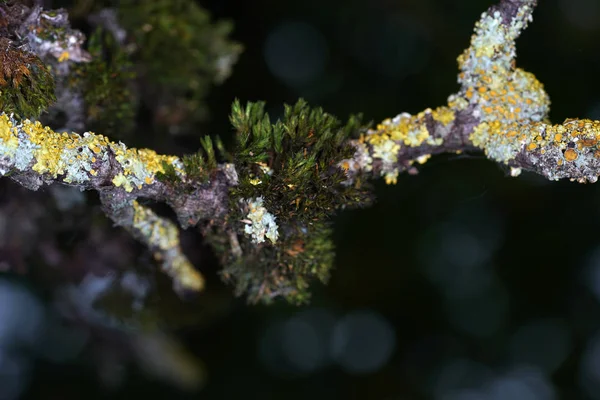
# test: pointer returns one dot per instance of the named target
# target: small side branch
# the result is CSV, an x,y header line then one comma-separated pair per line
x,y
160,235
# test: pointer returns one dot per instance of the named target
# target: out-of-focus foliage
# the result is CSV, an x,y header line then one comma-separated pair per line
x,y
180,52
26,85
106,82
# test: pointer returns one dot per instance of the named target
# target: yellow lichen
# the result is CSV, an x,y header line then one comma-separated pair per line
x,y
391,178
8,135
571,155
72,155
64,56
120,180
163,235
423,159
444,115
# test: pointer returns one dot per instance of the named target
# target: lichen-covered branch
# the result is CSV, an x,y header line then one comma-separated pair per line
x,y
160,235
495,108
267,211
33,155
500,109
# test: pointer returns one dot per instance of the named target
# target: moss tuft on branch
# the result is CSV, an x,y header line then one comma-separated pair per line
x,y
26,85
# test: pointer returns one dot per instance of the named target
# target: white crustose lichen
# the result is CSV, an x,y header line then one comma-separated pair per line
x,y
259,222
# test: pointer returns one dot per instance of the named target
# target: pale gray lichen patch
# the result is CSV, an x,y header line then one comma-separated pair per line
x,y
260,223
25,153
79,160
230,173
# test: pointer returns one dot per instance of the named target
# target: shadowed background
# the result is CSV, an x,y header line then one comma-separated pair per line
x,y
460,283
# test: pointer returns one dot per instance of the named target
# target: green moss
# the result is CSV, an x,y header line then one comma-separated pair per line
x,y
296,159
26,84
180,51
197,166
207,145
292,164
265,273
169,174
106,82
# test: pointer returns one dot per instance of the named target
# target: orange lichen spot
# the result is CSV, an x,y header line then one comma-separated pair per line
x,y
511,133
559,162
93,172
345,165
571,155
488,109
589,142
482,89
531,146
558,137
148,180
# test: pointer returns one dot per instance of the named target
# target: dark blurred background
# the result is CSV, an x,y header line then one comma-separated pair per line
x,y
460,283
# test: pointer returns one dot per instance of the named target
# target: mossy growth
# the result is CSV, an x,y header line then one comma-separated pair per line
x,y
266,272
180,51
106,82
197,166
26,84
292,166
293,163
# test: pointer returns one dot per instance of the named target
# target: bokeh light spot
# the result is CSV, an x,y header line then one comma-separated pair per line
x,y
362,342
296,53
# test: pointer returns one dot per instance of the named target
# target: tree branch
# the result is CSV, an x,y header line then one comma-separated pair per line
x,y
499,109
33,155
